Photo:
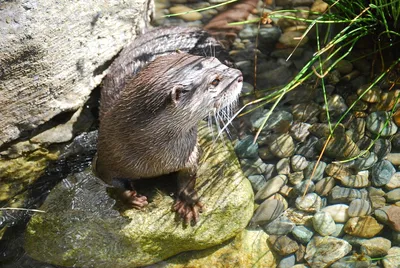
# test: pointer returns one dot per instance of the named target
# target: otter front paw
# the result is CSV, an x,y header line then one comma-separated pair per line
x,y
188,211
132,199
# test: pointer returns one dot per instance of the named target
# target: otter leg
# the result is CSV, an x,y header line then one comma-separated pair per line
x,y
128,194
187,204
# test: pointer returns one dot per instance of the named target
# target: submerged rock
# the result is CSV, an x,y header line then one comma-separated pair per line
x,y
82,227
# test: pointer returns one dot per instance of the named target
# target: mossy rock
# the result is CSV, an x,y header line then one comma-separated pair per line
x,y
83,228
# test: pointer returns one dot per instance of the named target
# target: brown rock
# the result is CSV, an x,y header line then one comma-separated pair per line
x,y
338,171
283,245
365,226
393,214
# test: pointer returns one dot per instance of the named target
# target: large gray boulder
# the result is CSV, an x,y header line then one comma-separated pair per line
x,y
52,54
82,228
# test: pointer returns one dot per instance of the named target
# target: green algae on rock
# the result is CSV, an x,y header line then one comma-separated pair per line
x,y
81,226
248,249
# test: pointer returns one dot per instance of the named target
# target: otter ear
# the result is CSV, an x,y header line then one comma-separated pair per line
x,y
176,93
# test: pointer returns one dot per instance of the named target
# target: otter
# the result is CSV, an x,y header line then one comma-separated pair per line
x,y
149,110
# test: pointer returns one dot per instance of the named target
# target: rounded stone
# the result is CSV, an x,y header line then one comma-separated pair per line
x,y
336,103
375,123
346,195
376,247
319,171
246,148
288,261
193,16
324,186
324,251
298,162
283,245
387,102
257,182
382,148
280,226
365,226
276,119
394,182
393,196
293,39
344,66
310,202
283,166
305,112
268,211
393,258
366,162
393,217
296,177
282,146
299,131
370,96
338,212
271,187
382,172
304,187
359,207
338,171
357,181
302,234
323,223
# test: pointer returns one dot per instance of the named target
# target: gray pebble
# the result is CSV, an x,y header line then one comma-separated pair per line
x,y
269,34
245,148
296,177
298,162
393,196
324,186
268,211
287,261
336,103
282,146
280,226
357,181
308,149
305,186
366,162
394,182
319,171
346,195
304,112
324,251
253,166
257,182
302,234
310,202
283,166
271,187
283,245
375,123
339,232
382,148
323,223
376,247
359,207
382,172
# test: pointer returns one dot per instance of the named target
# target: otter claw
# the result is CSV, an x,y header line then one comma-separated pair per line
x,y
190,213
134,200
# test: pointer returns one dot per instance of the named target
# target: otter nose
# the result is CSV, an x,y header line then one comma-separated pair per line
x,y
240,79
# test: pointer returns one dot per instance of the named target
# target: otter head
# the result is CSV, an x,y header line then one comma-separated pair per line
x,y
182,87
202,84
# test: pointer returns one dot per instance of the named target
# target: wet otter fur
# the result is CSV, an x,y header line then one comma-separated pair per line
x,y
148,127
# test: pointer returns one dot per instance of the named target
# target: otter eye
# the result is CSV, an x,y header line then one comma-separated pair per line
x,y
215,82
